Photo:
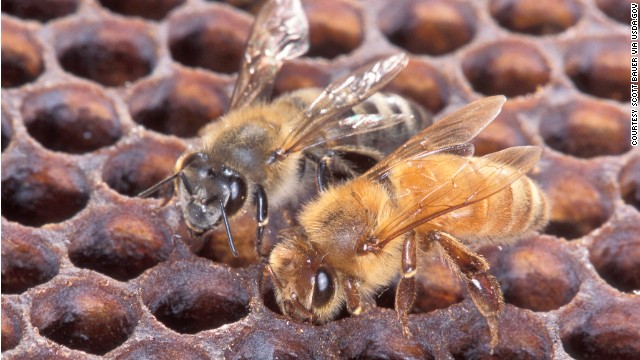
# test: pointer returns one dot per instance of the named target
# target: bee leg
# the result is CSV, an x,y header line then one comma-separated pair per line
x,y
356,304
323,173
262,215
406,291
484,288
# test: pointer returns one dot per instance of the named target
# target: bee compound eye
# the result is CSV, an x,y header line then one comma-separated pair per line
x,y
237,194
324,288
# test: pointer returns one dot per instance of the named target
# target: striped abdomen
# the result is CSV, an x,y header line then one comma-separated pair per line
x,y
514,211
385,140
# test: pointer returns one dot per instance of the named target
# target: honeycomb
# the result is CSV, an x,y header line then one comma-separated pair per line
x,y
99,98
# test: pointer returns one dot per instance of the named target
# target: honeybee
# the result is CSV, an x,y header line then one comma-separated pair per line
x,y
428,195
252,156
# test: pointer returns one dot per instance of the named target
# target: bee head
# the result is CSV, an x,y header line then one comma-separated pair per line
x,y
307,288
208,191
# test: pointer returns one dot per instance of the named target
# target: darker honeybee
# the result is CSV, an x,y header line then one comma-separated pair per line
x,y
253,153
428,195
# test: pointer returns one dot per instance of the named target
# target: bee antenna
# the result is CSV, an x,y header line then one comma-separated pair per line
x,y
276,281
150,191
226,226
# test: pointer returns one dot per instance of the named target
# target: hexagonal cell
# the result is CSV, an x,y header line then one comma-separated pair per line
x,y
508,67
580,199
630,182
335,27
136,167
432,27
380,337
161,350
87,314
180,105
505,131
27,259
212,39
422,83
615,251
148,9
596,67
22,61
125,234
110,52
616,9
45,189
522,336
601,330
535,274
275,343
7,130
193,296
296,75
438,286
11,326
71,118
585,128
41,10
536,17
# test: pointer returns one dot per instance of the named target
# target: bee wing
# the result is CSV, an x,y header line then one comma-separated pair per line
x,y
437,192
456,128
321,121
279,33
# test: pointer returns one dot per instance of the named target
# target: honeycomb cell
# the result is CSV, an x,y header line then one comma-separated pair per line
x,y
41,10
580,200
422,83
136,167
179,105
41,190
503,132
432,27
7,130
27,260
265,344
161,350
603,331
536,17
125,234
112,53
522,336
585,129
296,75
192,296
615,251
87,314
629,179
509,67
438,286
616,9
536,274
11,326
212,39
335,27
148,9
252,6
22,61
71,118
597,67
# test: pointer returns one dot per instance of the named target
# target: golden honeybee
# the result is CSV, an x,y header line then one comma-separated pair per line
x,y
429,195
252,156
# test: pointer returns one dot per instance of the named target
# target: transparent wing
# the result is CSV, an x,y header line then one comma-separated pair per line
x,y
445,183
321,121
456,128
279,33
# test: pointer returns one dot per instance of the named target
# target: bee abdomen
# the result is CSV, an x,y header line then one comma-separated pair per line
x,y
392,104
